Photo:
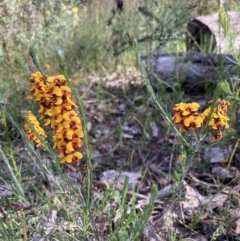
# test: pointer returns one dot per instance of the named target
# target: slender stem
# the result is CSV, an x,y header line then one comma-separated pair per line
x,y
13,162
233,153
195,136
155,99
24,225
88,190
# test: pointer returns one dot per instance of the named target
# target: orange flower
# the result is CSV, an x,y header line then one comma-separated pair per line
x,y
72,158
218,119
57,80
75,82
57,110
47,66
185,109
37,128
178,118
217,135
77,133
193,122
29,97
186,115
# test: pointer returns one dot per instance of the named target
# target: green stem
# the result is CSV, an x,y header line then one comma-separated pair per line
x,y
88,194
10,148
154,97
24,225
233,153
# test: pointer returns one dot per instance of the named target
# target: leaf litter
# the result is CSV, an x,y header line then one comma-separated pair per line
x,y
128,139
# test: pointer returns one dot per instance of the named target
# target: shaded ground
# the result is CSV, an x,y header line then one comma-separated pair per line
x,y
129,138
128,134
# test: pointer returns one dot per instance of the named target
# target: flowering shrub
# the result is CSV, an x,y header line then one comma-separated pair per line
x,y
187,117
57,109
31,135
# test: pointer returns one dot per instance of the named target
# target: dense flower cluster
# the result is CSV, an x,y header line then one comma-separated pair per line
x,y
35,124
218,119
187,117
57,110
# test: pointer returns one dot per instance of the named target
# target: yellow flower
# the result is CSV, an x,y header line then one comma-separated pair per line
x,y
185,109
218,119
56,101
178,118
58,127
30,133
193,122
69,147
70,102
57,110
29,97
218,123
36,77
70,134
187,116
72,158
217,135
75,10
69,114
75,82
38,83
47,66
74,144
57,80
73,123
56,119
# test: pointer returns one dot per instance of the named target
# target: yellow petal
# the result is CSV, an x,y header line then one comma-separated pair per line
x,y
58,101
67,159
78,155
57,91
69,147
69,134
177,118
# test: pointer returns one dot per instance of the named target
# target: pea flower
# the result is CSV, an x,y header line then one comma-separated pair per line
x,y
57,108
185,109
30,133
193,121
186,115
218,119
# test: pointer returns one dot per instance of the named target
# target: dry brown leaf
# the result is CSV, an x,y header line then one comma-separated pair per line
x,y
216,201
193,200
112,176
47,226
6,191
155,130
237,230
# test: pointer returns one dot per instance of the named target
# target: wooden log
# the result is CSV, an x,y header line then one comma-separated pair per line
x,y
205,33
190,68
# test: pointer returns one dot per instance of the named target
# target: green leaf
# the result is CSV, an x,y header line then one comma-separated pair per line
x,y
139,226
